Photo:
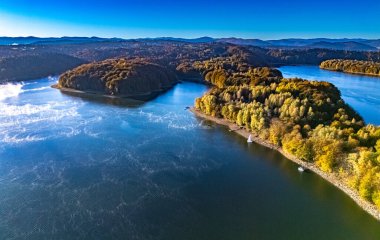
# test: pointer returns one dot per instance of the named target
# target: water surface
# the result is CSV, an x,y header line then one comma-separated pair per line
x,y
73,168
361,92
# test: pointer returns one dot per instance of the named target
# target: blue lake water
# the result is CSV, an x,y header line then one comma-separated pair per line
x,y
77,168
361,92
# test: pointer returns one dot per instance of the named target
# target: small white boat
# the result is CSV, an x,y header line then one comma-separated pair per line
x,y
301,169
249,140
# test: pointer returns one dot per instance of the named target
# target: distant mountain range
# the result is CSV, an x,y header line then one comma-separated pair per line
x,y
53,40
351,45
356,44
189,40
335,44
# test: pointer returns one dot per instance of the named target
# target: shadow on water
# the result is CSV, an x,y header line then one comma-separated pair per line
x,y
263,188
131,102
308,181
100,99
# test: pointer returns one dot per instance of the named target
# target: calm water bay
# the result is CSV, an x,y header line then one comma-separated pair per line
x,y
75,168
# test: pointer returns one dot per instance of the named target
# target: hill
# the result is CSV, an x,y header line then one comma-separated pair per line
x,y
168,53
241,41
27,67
352,46
119,77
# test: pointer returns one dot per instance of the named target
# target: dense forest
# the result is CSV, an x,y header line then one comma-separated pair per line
x,y
119,77
170,54
307,119
352,66
278,57
20,68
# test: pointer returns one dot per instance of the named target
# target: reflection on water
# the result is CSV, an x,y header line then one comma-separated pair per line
x,y
71,168
361,92
124,102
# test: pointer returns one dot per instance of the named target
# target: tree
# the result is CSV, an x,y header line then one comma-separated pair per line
x,y
277,131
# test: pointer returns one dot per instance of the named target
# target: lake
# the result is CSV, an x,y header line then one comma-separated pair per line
x,y
76,168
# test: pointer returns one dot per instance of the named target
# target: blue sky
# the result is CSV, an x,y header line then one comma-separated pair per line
x,y
266,19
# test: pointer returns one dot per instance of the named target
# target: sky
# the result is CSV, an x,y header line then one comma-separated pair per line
x,y
266,19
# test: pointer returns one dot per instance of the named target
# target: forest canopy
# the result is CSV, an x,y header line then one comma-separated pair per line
x,y
307,119
352,66
119,77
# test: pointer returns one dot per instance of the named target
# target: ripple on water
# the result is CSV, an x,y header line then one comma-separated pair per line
x,y
29,122
173,120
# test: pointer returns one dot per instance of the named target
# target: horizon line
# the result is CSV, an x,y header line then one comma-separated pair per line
x,y
193,38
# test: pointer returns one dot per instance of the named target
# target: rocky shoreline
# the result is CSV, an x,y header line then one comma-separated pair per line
x,y
332,178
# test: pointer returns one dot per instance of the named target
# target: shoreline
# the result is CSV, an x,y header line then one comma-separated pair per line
x,y
353,73
137,97
332,178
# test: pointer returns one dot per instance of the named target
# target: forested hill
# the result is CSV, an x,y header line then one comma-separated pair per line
x,y
119,77
20,68
172,54
278,57
306,119
352,66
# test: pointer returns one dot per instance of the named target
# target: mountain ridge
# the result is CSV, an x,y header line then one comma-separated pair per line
x,y
352,44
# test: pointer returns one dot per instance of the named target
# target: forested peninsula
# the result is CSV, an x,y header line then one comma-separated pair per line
x,y
134,78
352,66
307,121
